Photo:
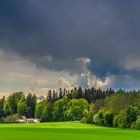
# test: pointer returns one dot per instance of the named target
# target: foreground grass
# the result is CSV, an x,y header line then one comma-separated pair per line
x,y
64,131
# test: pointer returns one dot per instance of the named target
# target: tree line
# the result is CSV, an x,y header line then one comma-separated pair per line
x,y
102,107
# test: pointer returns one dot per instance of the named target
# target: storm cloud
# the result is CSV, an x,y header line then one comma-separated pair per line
x,y
53,35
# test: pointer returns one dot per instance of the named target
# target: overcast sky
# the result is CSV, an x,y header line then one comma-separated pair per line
x,y
65,43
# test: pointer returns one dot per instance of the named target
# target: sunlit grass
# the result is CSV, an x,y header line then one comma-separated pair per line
x,y
64,131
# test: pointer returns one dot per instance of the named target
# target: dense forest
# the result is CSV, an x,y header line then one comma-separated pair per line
x,y
102,107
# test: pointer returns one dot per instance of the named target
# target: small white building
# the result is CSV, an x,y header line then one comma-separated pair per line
x,y
24,119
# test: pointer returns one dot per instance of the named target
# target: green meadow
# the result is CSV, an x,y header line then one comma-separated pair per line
x,y
64,131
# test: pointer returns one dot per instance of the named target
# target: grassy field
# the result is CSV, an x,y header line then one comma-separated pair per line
x,y
64,131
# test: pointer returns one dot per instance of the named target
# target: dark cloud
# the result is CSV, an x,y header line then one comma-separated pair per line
x,y
105,31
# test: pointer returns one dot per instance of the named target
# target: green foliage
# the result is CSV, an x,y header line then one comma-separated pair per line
x,y
127,117
18,96
43,111
101,117
136,124
39,109
115,121
31,103
120,101
11,104
22,108
98,105
108,118
10,119
88,115
79,93
75,109
59,109
95,119
1,107
47,113
104,107
6,108
74,93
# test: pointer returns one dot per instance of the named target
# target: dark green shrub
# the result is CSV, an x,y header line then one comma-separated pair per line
x,y
108,118
88,115
101,117
84,120
136,125
115,121
11,119
127,117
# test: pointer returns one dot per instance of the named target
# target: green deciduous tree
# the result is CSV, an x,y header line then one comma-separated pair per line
x,y
76,109
108,118
127,117
31,103
59,109
22,108
39,109
101,117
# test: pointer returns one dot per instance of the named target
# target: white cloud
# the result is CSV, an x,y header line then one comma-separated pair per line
x,y
88,79
107,83
84,60
63,83
19,74
34,79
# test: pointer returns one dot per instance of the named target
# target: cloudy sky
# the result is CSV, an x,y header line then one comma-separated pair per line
x,y
64,43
